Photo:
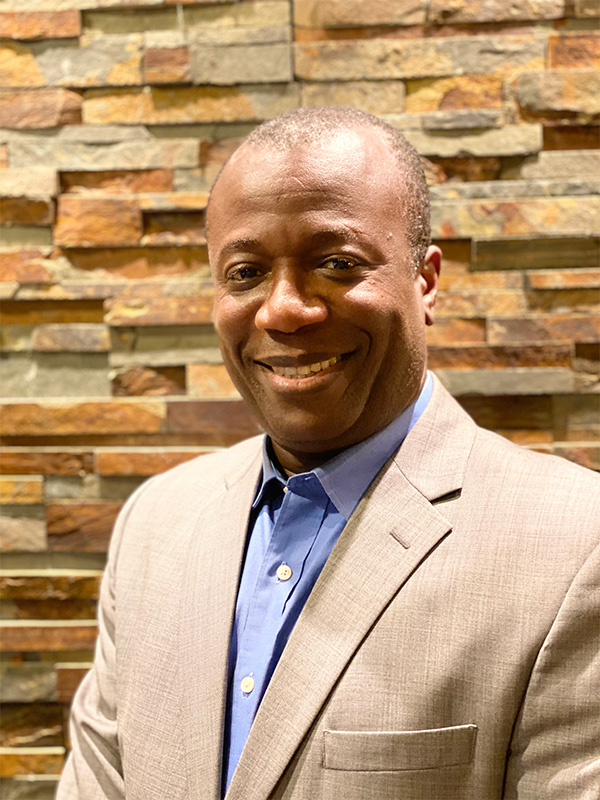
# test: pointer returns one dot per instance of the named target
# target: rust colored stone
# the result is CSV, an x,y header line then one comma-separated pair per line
x,y
574,51
49,637
139,262
81,527
49,588
456,331
35,312
209,381
24,266
141,381
474,357
564,301
66,419
84,221
444,12
572,137
23,761
30,25
113,463
510,413
529,330
31,725
71,338
44,108
26,211
14,462
116,181
21,491
167,65
67,681
586,455
41,609
174,229
469,169
344,14
158,311
220,423
457,92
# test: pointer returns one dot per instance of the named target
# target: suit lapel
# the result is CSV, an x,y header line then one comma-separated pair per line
x,y
393,529
214,559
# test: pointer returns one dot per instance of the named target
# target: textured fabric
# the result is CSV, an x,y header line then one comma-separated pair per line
x,y
464,591
297,531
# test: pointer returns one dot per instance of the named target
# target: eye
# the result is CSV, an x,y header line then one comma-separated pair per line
x,y
246,273
340,263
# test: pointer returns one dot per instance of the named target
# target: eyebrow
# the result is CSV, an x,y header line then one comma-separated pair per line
x,y
316,239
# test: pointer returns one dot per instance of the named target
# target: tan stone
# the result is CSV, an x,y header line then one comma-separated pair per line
x,y
209,381
18,67
455,11
173,201
456,92
167,65
418,58
116,181
21,491
158,311
30,760
45,108
559,90
84,221
375,97
356,13
35,312
240,35
263,14
143,463
565,279
188,104
68,419
71,338
32,182
22,534
81,527
574,50
557,164
27,682
576,417
239,64
30,25
587,8
506,141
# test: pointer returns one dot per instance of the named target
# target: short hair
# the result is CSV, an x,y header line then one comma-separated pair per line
x,y
313,124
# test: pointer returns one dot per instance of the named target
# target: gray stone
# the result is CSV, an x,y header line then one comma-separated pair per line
x,y
248,64
109,60
103,134
190,180
46,560
31,182
27,683
15,338
513,189
376,97
266,13
63,487
553,164
71,337
29,787
168,358
119,488
25,236
22,534
507,141
55,375
514,381
457,120
74,156
239,36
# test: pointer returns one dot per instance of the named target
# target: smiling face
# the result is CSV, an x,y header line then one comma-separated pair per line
x,y
318,310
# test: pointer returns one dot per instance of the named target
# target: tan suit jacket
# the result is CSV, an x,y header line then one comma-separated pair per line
x,y
449,650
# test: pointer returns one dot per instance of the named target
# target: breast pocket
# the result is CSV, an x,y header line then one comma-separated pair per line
x,y
391,751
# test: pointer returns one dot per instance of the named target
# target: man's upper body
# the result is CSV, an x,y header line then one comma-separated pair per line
x,y
439,636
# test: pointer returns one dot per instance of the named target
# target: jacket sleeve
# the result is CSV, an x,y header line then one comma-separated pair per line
x,y
555,748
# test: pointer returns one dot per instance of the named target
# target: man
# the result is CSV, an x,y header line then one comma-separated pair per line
x,y
379,599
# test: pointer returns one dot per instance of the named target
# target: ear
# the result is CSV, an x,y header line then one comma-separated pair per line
x,y
429,272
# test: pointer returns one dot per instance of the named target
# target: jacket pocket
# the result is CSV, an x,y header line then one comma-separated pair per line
x,y
383,751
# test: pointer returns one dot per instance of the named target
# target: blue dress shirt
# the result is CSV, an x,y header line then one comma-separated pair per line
x,y
294,525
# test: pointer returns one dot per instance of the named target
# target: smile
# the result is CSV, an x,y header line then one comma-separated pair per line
x,y
304,371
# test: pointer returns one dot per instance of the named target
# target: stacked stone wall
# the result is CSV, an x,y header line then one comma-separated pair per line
x,y
115,116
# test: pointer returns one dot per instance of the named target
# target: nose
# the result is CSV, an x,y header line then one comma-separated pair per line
x,y
289,306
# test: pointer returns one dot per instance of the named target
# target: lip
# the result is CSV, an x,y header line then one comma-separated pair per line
x,y
330,366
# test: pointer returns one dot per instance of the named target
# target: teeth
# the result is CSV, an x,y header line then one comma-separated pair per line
x,y
303,372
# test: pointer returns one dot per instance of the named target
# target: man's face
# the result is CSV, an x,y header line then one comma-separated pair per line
x,y
318,310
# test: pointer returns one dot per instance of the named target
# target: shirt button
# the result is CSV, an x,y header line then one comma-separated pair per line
x,y
247,684
284,573
285,489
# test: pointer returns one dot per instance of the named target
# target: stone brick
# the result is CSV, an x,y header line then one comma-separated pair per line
x,y
30,25
29,787
147,382
356,13
188,104
22,534
116,181
34,312
375,97
587,357
49,636
31,760
72,338
55,375
50,588
15,461
571,137
456,92
36,725
68,678
209,381
462,119
18,68
81,527
174,229
555,164
31,182
445,12
568,215
220,423
510,413
27,682
143,463
515,190
84,221
488,358
140,263
21,491
574,51
263,14
571,91
158,311
106,61
26,211
69,419
564,279
535,253
557,328
456,331
111,17
45,108
246,64
238,35
26,236
418,58
564,301
506,141
576,417
586,455
501,382
128,155
468,169
167,65
586,8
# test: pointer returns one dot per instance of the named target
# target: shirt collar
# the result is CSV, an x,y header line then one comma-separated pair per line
x,y
343,482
